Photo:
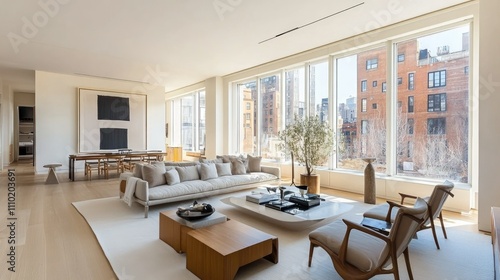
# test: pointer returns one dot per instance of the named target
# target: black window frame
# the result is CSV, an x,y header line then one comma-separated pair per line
x,y
364,86
411,81
436,79
436,126
371,63
411,104
436,102
401,57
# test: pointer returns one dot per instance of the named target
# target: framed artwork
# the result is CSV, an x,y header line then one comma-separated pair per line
x,y
109,120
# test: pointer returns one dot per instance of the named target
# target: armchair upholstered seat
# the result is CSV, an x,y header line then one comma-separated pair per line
x,y
358,252
435,204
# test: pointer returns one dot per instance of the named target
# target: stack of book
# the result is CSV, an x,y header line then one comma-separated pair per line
x,y
280,205
261,198
305,201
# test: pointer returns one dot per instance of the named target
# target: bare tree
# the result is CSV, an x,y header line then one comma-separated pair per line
x,y
444,155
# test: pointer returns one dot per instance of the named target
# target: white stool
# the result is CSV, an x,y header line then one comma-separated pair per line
x,y
52,178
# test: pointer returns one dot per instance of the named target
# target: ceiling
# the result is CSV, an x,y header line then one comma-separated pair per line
x,y
176,43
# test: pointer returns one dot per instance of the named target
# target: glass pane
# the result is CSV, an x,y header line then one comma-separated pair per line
x,y
436,145
361,130
187,123
201,127
270,116
294,95
318,90
247,134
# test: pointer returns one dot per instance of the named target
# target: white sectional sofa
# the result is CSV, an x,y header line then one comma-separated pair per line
x,y
164,182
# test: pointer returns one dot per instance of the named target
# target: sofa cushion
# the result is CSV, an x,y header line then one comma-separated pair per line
x,y
223,169
253,163
217,160
208,171
227,158
188,173
154,174
238,167
138,169
182,163
172,177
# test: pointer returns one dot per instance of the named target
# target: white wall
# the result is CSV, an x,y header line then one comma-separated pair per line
x,y
7,125
488,100
1,126
56,105
214,117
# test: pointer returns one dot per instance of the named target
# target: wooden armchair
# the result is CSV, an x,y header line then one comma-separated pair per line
x,y
358,252
434,202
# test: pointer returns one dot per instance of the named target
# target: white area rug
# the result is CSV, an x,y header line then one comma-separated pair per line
x,y
131,244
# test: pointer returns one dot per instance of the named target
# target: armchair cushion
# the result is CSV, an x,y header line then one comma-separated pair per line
x,y
364,251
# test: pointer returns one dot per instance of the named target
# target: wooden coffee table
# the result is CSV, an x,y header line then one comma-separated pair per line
x,y
173,229
218,251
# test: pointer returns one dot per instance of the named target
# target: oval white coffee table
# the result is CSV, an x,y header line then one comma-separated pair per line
x,y
326,210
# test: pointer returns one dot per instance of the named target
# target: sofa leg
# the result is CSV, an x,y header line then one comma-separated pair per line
x,y
146,210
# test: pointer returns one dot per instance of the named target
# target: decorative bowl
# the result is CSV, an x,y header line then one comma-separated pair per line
x,y
195,211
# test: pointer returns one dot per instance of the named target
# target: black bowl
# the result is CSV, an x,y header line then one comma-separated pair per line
x,y
194,215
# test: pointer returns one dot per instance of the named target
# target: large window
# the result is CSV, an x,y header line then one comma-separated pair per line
x,y
438,132
358,138
270,96
188,121
247,94
295,102
318,90
428,132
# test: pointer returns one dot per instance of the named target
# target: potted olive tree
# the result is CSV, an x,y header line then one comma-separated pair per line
x,y
309,141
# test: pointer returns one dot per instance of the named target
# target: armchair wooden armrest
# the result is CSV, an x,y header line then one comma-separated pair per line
x,y
403,196
389,213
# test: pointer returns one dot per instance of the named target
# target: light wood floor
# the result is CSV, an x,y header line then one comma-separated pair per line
x,y
53,241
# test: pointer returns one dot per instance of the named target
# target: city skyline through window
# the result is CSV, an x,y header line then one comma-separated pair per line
x,y
429,90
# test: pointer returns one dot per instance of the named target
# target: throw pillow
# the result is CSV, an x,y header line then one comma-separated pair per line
x,y
172,177
227,158
223,169
153,174
254,163
238,167
188,173
217,160
208,171
138,169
